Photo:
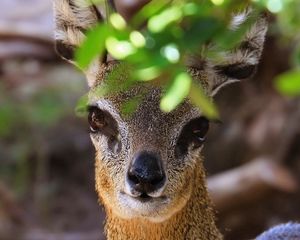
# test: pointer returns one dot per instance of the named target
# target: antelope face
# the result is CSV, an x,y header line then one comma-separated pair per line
x,y
146,162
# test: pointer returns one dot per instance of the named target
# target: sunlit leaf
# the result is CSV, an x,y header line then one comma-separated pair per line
x,y
275,6
93,46
137,39
199,98
171,53
81,106
117,21
118,80
178,91
150,9
159,22
119,49
190,9
128,108
147,74
217,2
289,83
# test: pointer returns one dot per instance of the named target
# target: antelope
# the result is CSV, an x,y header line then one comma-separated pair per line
x,y
148,167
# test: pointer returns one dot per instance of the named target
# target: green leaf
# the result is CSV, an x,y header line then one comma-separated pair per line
x,y
118,80
147,74
131,105
200,99
177,92
159,22
289,83
229,38
149,10
119,49
81,106
93,46
117,21
201,31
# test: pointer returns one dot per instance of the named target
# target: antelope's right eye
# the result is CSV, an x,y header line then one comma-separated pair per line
x,y
96,119
193,134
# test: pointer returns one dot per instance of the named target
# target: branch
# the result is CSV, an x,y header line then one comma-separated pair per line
x,y
249,182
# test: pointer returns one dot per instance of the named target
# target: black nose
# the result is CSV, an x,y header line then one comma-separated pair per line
x,y
146,173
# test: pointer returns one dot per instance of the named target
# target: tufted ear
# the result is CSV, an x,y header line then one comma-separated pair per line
x,y
72,19
237,64
241,63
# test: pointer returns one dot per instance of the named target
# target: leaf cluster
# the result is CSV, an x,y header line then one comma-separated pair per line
x,y
156,41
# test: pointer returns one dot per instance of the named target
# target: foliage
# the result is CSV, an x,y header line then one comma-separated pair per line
x,y
27,115
287,26
158,51
289,83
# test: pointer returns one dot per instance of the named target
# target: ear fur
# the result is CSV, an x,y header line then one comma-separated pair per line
x,y
235,65
240,63
72,19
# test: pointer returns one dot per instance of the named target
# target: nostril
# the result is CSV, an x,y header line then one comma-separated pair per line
x,y
133,178
146,183
158,180
146,173
144,196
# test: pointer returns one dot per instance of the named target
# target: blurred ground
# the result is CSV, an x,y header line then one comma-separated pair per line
x,y
46,158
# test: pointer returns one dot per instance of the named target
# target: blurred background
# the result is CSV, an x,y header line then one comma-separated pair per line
x,y
46,157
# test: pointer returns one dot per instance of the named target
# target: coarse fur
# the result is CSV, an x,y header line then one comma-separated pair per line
x,y
181,208
193,217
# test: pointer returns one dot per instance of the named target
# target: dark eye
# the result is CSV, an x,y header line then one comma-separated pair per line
x,y
96,119
193,134
101,122
237,71
64,50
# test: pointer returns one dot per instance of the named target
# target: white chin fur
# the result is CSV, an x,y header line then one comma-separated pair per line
x,y
151,210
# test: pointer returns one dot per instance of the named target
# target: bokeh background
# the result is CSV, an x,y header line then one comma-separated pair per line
x,y
46,157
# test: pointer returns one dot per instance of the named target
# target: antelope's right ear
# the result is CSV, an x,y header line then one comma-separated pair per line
x,y
72,19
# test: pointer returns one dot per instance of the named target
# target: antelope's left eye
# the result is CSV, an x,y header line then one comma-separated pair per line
x,y
193,134
103,123
97,119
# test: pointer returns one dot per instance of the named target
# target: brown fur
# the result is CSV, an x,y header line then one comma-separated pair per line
x,y
194,221
183,210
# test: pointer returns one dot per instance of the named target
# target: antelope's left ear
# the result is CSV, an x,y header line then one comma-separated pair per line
x,y
240,63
